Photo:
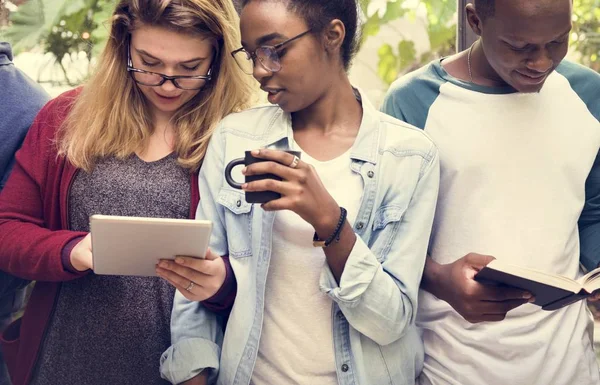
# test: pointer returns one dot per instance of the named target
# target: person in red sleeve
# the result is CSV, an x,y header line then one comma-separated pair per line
x,y
130,142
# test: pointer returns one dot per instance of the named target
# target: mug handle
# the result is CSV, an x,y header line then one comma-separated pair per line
x,y
229,168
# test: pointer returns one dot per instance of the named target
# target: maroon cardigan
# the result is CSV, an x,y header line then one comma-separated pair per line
x,y
34,233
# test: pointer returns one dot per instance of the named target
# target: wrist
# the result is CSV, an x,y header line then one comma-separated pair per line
x,y
76,264
434,278
327,223
67,256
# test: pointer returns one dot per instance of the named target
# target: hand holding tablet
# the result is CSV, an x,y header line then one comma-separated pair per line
x,y
196,279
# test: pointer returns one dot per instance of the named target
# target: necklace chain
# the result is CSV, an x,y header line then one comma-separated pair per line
x,y
469,63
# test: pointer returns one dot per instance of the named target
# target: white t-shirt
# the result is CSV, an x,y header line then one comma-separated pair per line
x,y
513,171
296,343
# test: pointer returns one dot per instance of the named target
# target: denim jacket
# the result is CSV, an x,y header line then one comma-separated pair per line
x,y
374,305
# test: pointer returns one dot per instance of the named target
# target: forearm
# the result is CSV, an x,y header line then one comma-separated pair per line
x,y
370,298
35,253
337,253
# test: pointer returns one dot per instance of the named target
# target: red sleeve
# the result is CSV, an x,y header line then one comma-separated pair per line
x,y
31,240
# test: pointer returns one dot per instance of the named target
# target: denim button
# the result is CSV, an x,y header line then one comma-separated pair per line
x,y
345,368
360,225
370,174
238,203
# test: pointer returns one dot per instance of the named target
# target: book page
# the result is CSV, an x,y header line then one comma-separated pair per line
x,y
549,279
591,281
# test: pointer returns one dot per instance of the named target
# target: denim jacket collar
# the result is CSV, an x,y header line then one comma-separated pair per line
x,y
280,133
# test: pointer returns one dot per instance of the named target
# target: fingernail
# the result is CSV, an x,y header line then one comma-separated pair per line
x,y
532,300
526,295
163,264
244,186
255,152
244,170
181,261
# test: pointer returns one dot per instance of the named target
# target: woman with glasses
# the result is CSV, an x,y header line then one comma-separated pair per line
x,y
328,274
130,143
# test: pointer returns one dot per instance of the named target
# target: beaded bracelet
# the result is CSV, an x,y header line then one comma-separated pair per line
x,y
336,233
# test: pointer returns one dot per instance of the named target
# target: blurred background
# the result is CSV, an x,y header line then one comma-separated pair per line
x,y
57,42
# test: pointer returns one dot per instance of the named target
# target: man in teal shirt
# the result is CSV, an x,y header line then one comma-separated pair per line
x,y
518,135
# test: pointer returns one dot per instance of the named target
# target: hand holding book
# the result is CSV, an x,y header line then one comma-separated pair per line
x,y
455,283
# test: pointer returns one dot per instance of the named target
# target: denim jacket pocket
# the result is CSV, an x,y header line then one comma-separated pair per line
x,y
384,223
238,222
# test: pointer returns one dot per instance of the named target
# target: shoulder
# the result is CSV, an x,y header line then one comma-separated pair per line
x,y
403,138
577,73
21,99
255,121
426,79
57,109
584,82
410,97
52,116
19,90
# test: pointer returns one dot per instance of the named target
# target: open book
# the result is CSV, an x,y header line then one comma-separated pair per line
x,y
551,291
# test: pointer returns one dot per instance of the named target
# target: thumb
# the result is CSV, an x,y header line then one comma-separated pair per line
x,y
210,256
478,261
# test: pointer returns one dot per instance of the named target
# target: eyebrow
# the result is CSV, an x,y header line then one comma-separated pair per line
x,y
142,52
266,38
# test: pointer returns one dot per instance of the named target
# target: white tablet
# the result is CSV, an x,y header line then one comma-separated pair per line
x,y
133,245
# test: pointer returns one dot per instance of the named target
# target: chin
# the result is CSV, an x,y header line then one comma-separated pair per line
x,y
528,89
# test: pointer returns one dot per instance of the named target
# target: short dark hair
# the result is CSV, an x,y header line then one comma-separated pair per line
x,y
319,13
485,8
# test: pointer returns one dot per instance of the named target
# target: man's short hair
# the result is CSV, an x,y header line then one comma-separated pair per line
x,y
485,8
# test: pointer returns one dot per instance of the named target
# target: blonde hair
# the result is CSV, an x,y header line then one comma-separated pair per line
x,y
111,117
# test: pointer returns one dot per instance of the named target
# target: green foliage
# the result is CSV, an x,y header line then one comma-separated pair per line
x,y
585,38
66,27
63,27
33,21
441,28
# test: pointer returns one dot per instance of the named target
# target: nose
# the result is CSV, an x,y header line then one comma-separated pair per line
x,y
168,86
259,71
540,61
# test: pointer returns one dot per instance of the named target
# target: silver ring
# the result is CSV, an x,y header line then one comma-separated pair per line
x,y
190,286
295,162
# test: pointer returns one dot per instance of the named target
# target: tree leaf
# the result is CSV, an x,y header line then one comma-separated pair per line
x,y
387,68
33,21
407,54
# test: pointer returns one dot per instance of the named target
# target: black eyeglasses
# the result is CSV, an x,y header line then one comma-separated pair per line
x,y
267,56
155,79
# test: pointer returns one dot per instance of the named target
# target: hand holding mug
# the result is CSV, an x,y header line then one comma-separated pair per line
x,y
249,159
299,186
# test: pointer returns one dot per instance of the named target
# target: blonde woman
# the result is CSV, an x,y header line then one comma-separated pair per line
x,y
130,142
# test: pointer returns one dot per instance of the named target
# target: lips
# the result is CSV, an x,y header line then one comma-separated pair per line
x,y
274,94
532,79
535,77
167,99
